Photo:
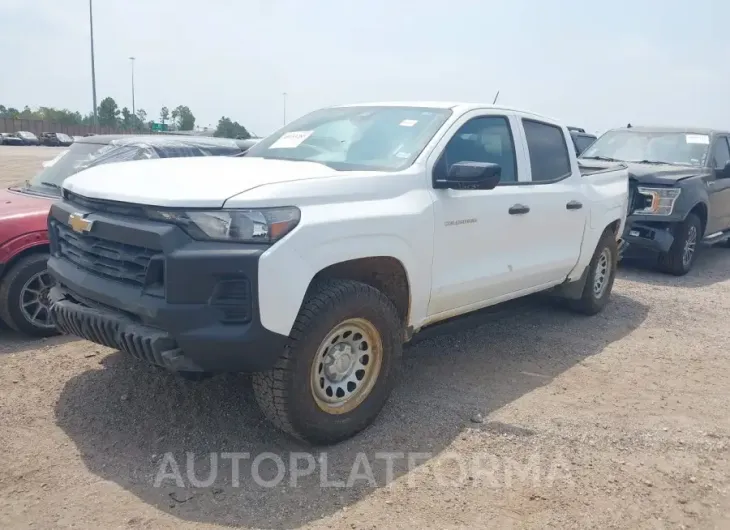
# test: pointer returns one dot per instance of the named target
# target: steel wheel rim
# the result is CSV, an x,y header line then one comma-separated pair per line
x,y
603,273
346,366
689,245
34,303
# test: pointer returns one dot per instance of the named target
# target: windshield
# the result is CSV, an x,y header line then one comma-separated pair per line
x,y
636,146
356,138
65,164
26,134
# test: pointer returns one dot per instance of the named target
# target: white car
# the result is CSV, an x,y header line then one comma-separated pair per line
x,y
313,258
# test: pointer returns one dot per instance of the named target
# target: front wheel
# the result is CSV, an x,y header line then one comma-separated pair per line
x,y
601,274
339,367
24,297
680,257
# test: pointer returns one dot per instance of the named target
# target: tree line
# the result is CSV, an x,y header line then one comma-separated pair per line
x,y
109,114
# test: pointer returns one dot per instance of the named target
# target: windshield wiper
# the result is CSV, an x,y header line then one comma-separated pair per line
x,y
604,158
51,185
658,162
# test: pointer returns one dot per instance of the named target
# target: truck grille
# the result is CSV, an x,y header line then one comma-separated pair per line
x,y
117,261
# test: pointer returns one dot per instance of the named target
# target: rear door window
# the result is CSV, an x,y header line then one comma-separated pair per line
x,y
549,156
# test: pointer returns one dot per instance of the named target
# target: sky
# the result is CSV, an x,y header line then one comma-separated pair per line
x,y
591,64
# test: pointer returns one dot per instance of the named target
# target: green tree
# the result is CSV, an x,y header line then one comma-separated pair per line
x,y
164,114
231,129
183,118
127,118
108,113
142,115
61,116
27,113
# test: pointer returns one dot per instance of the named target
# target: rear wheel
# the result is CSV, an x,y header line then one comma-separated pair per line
x,y
24,297
601,274
680,257
339,367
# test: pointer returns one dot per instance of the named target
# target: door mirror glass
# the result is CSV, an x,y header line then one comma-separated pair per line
x,y
473,175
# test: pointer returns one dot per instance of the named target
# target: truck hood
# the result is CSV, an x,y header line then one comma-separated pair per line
x,y
662,174
199,182
14,204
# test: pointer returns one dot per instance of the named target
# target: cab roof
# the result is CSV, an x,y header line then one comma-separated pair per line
x,y
453,105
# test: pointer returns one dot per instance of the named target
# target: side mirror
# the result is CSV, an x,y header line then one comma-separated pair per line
x,y
471,175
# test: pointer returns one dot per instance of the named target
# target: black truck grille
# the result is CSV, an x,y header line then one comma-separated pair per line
x,y
118,261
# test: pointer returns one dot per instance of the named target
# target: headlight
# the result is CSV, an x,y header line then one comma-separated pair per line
x,y
265,225
660,201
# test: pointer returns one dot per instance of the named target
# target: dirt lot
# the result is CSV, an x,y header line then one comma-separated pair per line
x,y
527,417
20,163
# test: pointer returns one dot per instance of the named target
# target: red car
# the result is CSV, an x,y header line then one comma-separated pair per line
x,y
24,282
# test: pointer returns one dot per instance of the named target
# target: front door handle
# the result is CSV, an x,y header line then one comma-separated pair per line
x,y
519,209
574,205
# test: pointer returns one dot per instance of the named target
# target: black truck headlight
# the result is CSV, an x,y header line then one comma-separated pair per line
x,y
264,225
659,201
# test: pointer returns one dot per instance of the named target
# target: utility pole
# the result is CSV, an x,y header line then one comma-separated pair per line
x,y
93,71
284,94
133,109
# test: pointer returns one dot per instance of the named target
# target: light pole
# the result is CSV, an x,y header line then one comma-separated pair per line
x,y
93,72
133,110
284,94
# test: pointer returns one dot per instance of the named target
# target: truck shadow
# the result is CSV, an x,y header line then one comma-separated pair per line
x,y
130,422
711,266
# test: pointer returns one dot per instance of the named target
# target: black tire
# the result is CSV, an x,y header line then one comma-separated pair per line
x,y
11,289
673,261
592,302
286,394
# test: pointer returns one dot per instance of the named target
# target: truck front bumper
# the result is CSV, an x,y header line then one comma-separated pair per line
x,y
192,307
640,235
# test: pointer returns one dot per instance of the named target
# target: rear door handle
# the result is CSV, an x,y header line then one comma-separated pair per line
x,y
519,209
574,205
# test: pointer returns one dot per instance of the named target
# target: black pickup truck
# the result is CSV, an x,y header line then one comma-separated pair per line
x,y
581,139
679,190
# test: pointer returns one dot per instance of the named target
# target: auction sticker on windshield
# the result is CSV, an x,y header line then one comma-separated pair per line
x,y
697,139
291,139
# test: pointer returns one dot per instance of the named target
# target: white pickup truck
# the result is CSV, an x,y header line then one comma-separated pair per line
x,y
312,259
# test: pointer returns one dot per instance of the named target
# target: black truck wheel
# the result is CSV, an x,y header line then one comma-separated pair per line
x,y
601,274
339,367
681,255
24,297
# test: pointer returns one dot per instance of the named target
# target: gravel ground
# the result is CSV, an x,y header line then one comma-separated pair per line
x,y
525,417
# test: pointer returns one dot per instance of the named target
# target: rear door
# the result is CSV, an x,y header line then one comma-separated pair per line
x,y
719,188
558,209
